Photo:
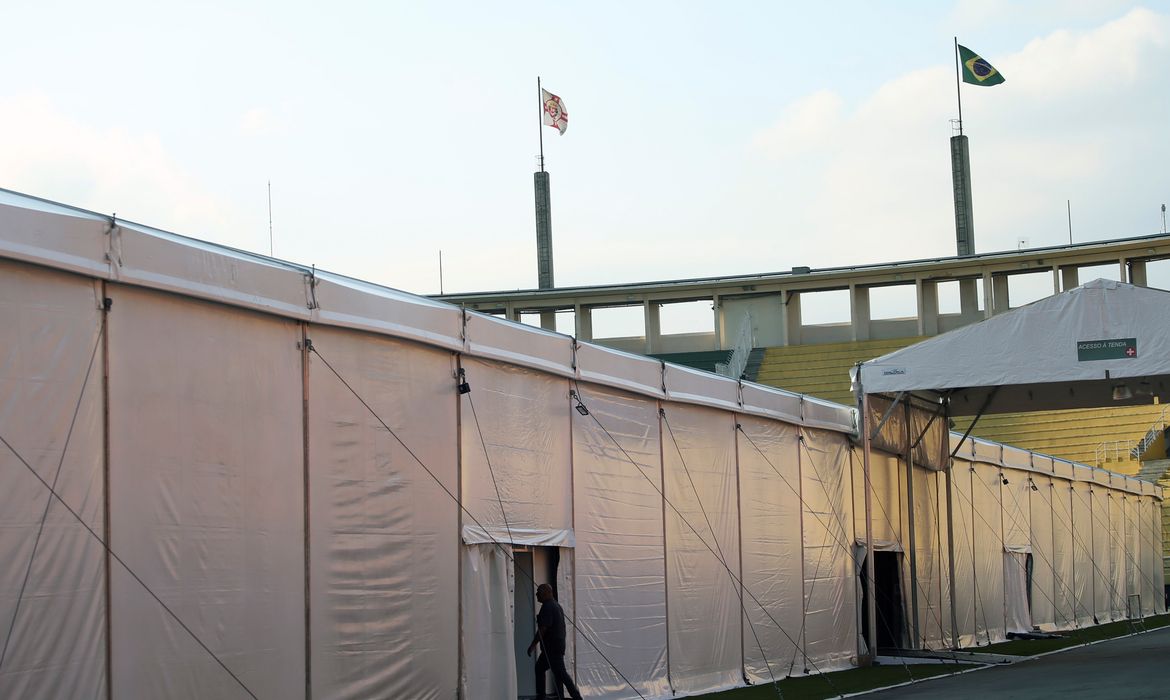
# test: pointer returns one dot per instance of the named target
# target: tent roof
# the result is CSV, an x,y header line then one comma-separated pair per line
x,y
1070,350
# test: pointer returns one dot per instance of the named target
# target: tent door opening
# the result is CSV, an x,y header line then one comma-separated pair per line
x,y
534,566
887,577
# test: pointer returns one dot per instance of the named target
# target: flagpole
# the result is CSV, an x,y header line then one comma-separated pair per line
x,y
958,90
540,119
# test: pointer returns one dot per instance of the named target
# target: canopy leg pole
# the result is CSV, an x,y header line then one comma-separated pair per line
x,y
951,544
870,588
914,629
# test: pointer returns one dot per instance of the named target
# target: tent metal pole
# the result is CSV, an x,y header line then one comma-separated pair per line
x,y
460,662
870,588
107,303
914,636
305,344
665,564
951,546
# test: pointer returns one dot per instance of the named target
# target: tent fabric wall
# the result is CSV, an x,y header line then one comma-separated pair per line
x,y
830,599
966,609
703,599
52,327
206,501
516,448
934,621
1047,611
1084,574
488,651
989,547
1099,540
770,512
384,567
1118,585
620,555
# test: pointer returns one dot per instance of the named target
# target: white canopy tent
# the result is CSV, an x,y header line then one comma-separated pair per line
x,y
1104,343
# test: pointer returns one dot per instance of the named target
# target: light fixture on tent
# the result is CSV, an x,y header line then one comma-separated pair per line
x,y
1121,392
1004,478
1032,484
580,406
462,386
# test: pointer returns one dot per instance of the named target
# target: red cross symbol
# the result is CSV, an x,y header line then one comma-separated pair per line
x,y
1131,352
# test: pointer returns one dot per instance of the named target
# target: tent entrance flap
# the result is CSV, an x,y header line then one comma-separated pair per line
x,y
1017,591
887,568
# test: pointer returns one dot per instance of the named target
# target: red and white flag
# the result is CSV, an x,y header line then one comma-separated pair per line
x,y
555,114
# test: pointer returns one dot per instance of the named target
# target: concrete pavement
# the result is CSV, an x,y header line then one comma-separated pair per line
x,y
1133,668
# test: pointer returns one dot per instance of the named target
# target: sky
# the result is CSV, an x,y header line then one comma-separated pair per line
x,y
704,138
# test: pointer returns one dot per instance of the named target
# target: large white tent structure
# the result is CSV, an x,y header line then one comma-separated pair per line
x,y
227,476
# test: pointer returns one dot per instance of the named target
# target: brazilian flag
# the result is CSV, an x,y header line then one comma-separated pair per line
x,y
977,71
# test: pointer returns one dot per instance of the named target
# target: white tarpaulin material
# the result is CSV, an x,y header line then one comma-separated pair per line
x,y
51,329
621,589
336,519
384,571
770,502
703,598
1069,350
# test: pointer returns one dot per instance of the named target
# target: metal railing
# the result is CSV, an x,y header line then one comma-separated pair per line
x,y
1151,435
1114,451
745,340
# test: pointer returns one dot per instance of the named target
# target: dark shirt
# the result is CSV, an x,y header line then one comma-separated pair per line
x,y
552,618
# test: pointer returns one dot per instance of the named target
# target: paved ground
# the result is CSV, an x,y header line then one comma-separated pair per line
x,y
1132,668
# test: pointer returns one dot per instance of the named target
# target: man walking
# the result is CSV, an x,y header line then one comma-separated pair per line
x,y
550,633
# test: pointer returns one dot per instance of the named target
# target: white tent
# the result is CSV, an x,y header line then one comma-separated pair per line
x,y
228,476
1104,343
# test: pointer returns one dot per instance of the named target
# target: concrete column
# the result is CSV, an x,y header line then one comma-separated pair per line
x,y
969,300
1122,272
512,313
987,295
792,321
548,320
1137,272
1056,280
653,326
859,312
583,322
927,306
1069,278
999,293
720,322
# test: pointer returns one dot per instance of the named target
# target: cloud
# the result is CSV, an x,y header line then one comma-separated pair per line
x,y
1081,116
51,155
257,120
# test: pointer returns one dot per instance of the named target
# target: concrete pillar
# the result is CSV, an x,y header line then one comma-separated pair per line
x,y
583,322
969,300
792,322
512,313
720,322
1056,280
1137,272
859,312
1069,278
927,292
987,295
653,326
999,293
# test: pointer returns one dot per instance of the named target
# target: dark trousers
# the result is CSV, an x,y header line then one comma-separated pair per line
x,y
556,664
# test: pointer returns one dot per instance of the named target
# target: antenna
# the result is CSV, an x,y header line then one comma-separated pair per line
x,y
270,219
1068,203
1163,218
440,271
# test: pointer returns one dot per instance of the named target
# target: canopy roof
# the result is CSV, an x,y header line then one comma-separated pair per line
x,y
1104,343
